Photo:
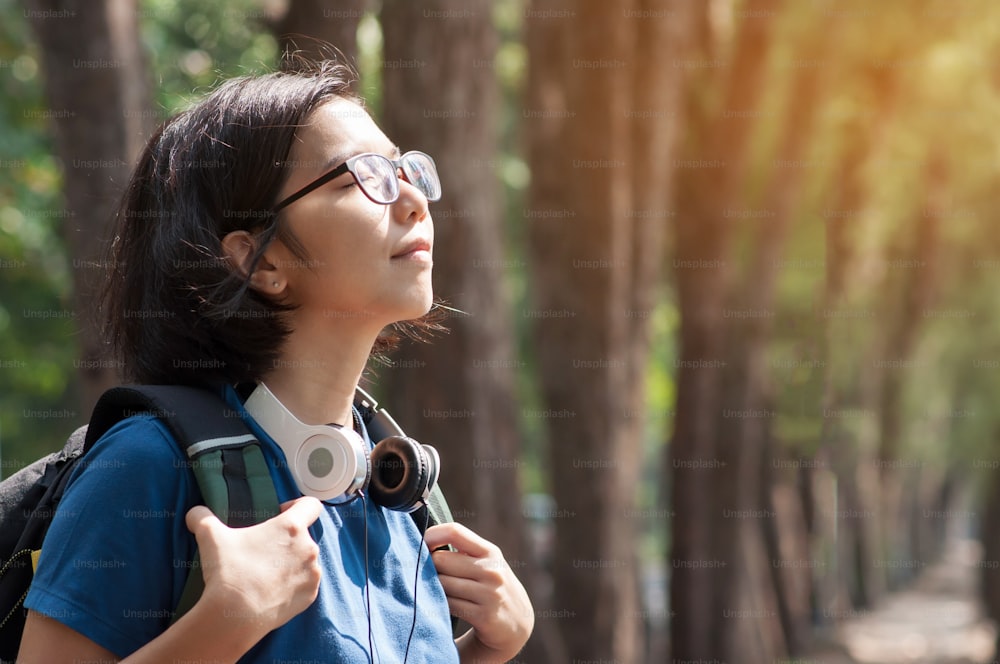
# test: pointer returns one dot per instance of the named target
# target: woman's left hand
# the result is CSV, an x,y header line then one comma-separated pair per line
x,y
483,591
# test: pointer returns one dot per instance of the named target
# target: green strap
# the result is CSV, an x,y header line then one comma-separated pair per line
x,y
215,491
438,508
216,486
439,512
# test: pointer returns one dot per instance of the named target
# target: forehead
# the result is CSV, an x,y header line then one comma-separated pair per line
x,y
337,129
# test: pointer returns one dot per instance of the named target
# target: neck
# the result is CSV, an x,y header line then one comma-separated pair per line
x,y
317,372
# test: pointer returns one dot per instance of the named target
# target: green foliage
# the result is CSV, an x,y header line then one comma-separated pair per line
x,y
370,62
36,322
906,85
194,45
191,46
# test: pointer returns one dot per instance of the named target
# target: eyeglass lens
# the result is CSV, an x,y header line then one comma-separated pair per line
x,y
377,176
420,172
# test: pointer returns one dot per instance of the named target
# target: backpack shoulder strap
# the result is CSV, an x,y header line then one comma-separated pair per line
x,y
225,456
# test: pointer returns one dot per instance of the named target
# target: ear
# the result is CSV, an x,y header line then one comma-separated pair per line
x,y
239,248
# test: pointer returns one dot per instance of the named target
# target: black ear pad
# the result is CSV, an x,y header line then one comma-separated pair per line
x,y
403,473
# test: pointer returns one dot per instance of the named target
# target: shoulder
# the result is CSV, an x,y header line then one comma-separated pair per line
x,y
140,441
137,464
116,556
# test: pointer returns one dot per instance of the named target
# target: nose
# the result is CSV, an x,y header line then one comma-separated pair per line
x,y
412,205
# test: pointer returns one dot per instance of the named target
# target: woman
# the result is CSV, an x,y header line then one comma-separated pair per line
x,y
269,236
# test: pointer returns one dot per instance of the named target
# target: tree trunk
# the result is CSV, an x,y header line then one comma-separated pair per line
x,y
989,565
913,291
750,336
662,34
99,98
711,483
307,21
857,539
601,122
459,392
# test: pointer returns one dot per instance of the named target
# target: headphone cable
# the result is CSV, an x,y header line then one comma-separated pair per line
x,y
368,592
416,578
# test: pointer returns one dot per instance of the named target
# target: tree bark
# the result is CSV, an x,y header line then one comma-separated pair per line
x,y
601,122
750,337
459,392
335,23
858,582
706,462
99,99
909,300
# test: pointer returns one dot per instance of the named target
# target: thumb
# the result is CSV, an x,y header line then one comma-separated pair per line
x,y
459,537
442,535
200,519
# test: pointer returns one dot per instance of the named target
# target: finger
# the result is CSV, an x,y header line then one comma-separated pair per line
x,y
466,589
456,564
200,519
460,537
489,572
470,612
301,511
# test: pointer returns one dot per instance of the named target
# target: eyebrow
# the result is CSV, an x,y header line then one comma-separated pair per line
x,y
341,157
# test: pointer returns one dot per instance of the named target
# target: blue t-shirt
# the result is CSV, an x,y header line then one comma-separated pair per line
x,y
116,558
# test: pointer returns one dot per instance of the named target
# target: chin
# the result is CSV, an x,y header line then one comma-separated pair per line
x,y
425,305
415,307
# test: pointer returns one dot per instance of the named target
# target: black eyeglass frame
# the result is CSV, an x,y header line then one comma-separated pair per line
x,y
348,167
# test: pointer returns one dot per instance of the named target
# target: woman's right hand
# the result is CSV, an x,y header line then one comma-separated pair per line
x,y
261,576
256,579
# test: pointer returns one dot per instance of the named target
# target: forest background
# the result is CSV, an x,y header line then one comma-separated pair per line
x,y
730,343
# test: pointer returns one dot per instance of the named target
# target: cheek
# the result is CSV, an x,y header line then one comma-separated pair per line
x,y
351,249
348,236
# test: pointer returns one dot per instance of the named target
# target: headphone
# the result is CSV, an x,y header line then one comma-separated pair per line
x,y
335,465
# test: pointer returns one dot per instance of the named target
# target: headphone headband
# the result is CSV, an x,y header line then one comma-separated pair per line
x,y
335,464
326,462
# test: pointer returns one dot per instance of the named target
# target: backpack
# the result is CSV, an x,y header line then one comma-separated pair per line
x,y
224,455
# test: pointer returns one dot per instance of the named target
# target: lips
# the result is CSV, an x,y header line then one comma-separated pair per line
x,y
412,248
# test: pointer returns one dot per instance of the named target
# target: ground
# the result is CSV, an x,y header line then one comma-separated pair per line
x,y
937,620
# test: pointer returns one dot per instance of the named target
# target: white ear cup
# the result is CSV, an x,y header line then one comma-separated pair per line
x,y
326,462
330,464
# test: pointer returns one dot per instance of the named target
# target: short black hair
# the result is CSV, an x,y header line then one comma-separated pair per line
x,y
175,311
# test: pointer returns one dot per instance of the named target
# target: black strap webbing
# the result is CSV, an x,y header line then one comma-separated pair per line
x,y
192,414
436,510
234,472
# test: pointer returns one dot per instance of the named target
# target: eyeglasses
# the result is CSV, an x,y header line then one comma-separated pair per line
x,y
378,177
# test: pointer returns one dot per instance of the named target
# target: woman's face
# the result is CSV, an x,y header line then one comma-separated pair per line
x,y
366,262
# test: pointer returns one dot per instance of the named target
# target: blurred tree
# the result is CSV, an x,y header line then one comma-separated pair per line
x,y
441,95
715,450
749,386
97,89
601,122
329,23
869,307
188,45
35,359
